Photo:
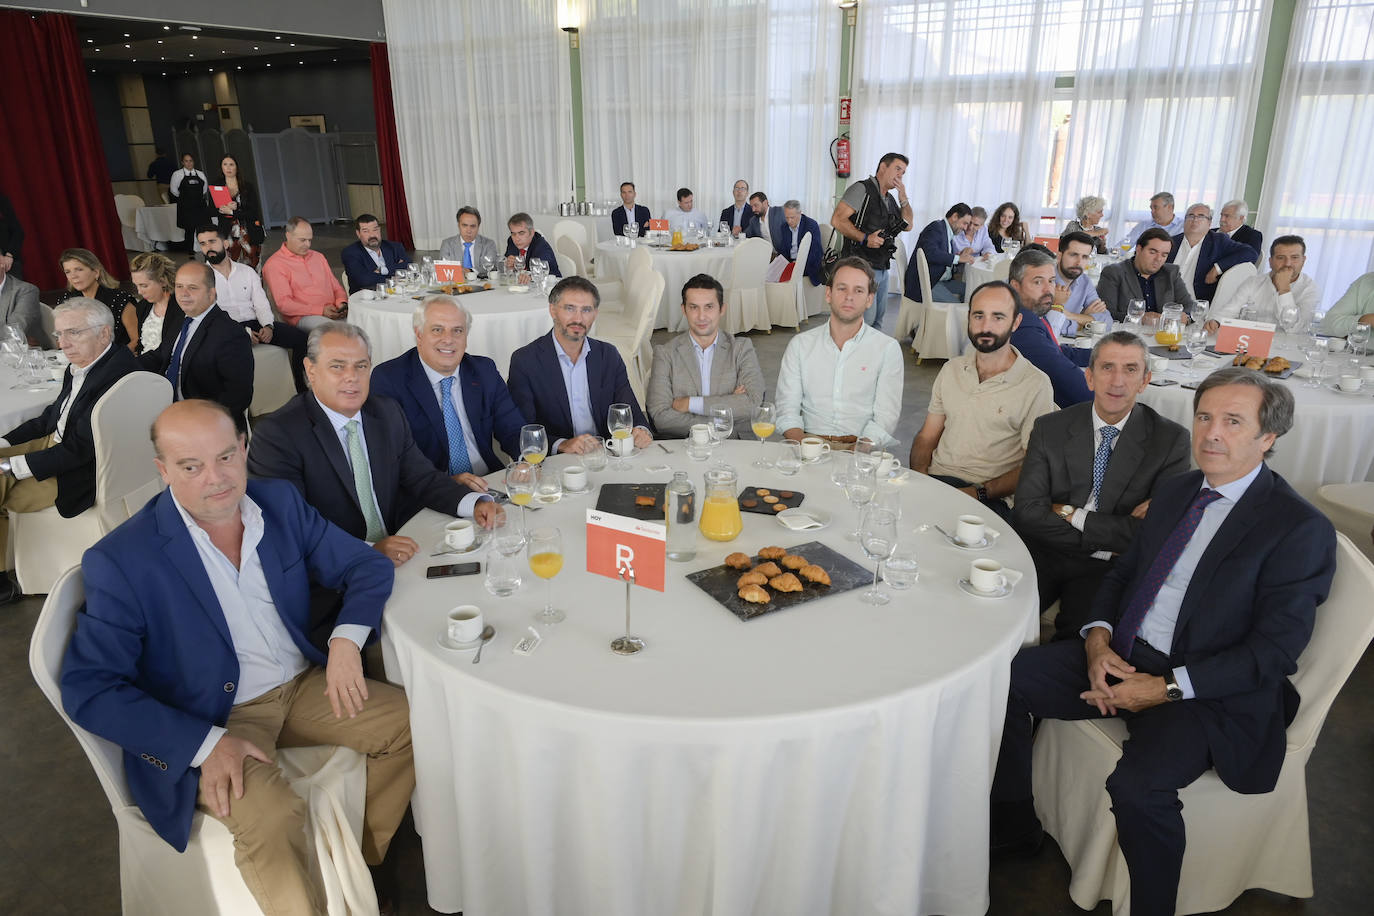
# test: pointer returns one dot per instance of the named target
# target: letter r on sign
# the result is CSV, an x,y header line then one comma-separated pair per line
x,y
624,558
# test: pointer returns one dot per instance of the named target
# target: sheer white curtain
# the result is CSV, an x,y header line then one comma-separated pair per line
x,y
1319,182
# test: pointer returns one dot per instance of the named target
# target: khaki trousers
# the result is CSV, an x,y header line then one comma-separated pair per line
x,y
29,495
268,823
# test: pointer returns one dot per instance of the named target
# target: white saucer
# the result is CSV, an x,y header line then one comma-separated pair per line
x,y
444,643
819,459
897,476
818,515
442,549
582,492
1362,390
989,540
518,289
967,588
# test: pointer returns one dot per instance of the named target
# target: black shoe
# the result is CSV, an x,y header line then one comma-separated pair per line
x,y
10,592
1015,830
1022,845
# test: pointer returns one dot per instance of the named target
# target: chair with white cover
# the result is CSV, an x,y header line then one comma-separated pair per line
x,y
787,301
1350,507
273,384
896,279
632,340
154,878
1235,841
565,246
942,330
49,319
566,266
1230,283
745,306
615,294
127,206
568,228
45,543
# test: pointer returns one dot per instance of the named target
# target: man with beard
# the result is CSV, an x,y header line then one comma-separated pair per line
x,y
983,406
371,259
1032,278
1076,303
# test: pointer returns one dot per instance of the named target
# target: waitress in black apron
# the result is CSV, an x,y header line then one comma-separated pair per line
x,y
189,187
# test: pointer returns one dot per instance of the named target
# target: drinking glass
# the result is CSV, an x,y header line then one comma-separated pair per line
x,y
548,487
545,552
620,421
506,542
901,569
1201,309
1195,335
840,463
488,264
860,485
534,443
722,423
1317,352
1358,338
1135,311
594,458
765,421
790,462
632,232
520,480
878,538
1288,322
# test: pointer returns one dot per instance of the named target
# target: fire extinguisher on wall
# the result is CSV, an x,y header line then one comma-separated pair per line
x,y
839,154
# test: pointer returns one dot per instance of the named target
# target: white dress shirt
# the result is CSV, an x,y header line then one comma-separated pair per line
x,y
1080,515
855,391
377,259
765,231
1186,259
679,218
1265,301
697,405
579,393
19,464
241,295
479,467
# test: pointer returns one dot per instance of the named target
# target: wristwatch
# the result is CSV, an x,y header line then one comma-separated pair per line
x,y
1172,691
1066,512
5,466
982,493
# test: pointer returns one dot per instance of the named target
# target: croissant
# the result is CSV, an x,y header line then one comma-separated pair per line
x,y
752,578
794,562
814,573
1277,365
755,594
1255,362
785,583
769,569
739,561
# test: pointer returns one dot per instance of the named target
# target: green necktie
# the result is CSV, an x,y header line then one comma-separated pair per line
x,y
362,482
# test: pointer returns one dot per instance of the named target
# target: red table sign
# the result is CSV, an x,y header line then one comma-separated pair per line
x,y
615,543
658,224
1254,337
448,271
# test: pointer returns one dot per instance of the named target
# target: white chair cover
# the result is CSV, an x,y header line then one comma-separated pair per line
x,y
632,340
565,246
157,880
272,382
745,306
1235,841
1230,283
943,325
909,318
1350,506
615,294
787,301
568,228
567,266
127,206
896,280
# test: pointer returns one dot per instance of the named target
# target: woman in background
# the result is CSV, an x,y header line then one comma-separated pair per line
x,y
1006,224
189,188
241,217
86,276
1089,220
157,310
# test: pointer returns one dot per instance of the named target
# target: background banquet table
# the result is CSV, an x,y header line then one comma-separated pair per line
x,y
677,268
20,404
158,224
502,322
829,758
598,229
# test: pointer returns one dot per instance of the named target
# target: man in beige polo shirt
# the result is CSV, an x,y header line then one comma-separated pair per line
x,y
983,406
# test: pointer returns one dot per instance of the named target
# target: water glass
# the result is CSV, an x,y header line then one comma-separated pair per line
x,y
594,458
722,423
901,569
503,577
1358,338
790,462
878,538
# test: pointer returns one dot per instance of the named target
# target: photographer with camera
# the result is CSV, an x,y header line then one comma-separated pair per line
x,y
869,219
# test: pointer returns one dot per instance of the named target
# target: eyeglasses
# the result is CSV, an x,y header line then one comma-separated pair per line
x,y
71,334
1206,216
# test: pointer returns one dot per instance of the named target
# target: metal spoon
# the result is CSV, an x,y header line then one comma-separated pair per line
x,y
487,633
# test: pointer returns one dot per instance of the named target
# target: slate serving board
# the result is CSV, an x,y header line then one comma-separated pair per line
x,y
619,499
845,575
764,508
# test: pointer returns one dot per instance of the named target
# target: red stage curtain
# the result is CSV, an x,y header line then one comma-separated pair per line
x,y
53,165
389,151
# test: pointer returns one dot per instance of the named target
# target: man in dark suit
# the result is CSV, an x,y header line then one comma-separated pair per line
x,y
1032,277
191,655
768,220
1087,477
787,243
1215,252
566,381
944,258
1232,223
631,212
524,243
739,216
207,355
1146,276
1196,629
371,259
351,455
456,402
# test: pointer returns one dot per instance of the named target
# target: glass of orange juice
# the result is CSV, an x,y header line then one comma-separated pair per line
x,y
534,443
521,479
545,550
763,425
620,422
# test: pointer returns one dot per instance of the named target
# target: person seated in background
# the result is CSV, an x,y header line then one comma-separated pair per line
x,y
1161,217
975,237
982,406
1089,211
524,243
50,459
238,290
371,259
944,258
842,378
1232,223
685,213
787,242
351,455
19,306
206,586
468,247
768,220
455,402
1076,304
1032,278
161,170
155,278
1263,297
740,215
703,367
1006,224
1146,276
302,284
1355,307
566,381
87,277
1087,478
1202,255
11,239
629,212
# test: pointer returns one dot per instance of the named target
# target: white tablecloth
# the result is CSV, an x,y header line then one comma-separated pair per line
x,y
1332,439
502,322
829,758
158,224
677,268
20,404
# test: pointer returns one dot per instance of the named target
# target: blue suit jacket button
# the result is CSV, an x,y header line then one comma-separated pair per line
x,y
228,686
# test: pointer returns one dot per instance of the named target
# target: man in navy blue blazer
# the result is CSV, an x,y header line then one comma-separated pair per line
x,y
787,242
371,259
631,212
1032,276
1195,632
524,243
739,216
944,258
1231,222
477,406
191,655
768,220
566,381
1208,253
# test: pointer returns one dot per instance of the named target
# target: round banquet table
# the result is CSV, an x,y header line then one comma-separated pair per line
x,y
158,224
502,323
677,268
20,404
1332,439
827,758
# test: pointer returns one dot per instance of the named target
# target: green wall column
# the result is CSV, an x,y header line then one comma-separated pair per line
x,y
575,81
848,27
1275,55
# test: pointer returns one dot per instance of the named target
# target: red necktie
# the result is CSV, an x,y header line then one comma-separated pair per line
x,y
1053,336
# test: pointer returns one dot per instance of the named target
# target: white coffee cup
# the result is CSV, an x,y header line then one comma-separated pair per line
x,y
465,623
575,478
367,294
459,533
1349,383
1159,364
1083,343
887,463
471,276
813,447
970,529
1367,373
1097,328
701,433
985,575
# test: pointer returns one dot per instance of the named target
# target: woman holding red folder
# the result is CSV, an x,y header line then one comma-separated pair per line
x,y
236,203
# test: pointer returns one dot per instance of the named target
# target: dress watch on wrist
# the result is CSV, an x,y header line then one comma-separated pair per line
x,y
1066,512
982,492
1172,691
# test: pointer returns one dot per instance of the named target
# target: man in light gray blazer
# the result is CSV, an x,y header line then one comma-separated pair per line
x,y
677,396
19,307
467,246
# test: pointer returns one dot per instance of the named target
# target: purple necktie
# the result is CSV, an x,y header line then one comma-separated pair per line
x,y
1123,637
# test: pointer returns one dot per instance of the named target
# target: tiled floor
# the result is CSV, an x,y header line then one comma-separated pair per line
x,y
59,845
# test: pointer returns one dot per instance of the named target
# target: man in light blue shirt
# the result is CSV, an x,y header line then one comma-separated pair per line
x,y
1076,303
1161,216
685,215
976,236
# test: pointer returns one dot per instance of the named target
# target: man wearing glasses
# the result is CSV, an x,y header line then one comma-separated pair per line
x,y
739,216
1202,255
50,460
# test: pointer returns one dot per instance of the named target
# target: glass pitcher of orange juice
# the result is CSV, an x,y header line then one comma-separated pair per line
x,y
1170,326
677,238
720,518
